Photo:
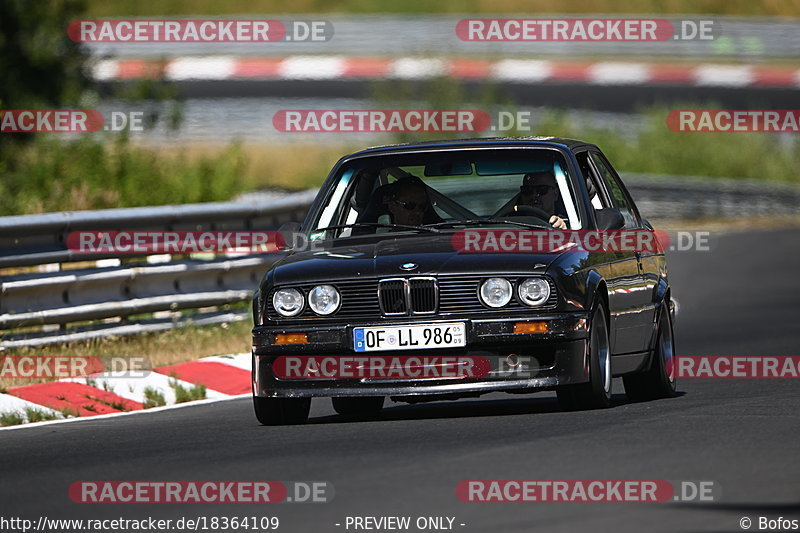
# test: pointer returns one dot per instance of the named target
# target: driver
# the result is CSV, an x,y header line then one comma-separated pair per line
x,y
408,201
539,190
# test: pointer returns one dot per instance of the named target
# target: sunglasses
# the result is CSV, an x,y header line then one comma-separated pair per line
x,y
541,190
413,206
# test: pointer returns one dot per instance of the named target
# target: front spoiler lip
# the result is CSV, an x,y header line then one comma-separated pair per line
x,y
568,366
419,388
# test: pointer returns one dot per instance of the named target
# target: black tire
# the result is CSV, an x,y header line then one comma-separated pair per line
x,y
281,411
658,381
365,407
596,394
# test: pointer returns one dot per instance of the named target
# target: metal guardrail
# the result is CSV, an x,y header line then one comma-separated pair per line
x,y
52,299
694,197
38,239
67,287
94,294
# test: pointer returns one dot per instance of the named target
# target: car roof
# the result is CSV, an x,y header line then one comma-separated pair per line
x,y
570,144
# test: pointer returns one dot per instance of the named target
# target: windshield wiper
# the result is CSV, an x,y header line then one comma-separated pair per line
x,y
481,221
379,225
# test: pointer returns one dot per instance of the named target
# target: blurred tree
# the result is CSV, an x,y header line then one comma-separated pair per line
x,y
42,68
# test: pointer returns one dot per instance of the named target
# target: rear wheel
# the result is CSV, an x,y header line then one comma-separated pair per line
x,y
281,411
360,407
658,381
596,394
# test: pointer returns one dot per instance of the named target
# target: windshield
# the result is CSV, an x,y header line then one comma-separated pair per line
x,y
449,189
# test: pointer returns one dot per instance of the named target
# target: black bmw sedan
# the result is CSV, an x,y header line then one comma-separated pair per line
x,y
445,270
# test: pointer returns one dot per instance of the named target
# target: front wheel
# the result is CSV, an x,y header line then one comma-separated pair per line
x,y
596,394
658,381
281,411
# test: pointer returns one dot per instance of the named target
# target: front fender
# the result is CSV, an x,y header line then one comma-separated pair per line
x,y
595,288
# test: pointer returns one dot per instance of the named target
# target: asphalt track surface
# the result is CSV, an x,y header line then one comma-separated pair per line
x,y
740,298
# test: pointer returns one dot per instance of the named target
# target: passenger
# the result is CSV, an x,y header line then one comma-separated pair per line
x,y
539,190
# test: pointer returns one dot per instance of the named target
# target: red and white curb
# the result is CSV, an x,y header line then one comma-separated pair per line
x,y
108,394
410,68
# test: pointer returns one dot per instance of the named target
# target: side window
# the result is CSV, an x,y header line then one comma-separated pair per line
x,y
592,185
618,197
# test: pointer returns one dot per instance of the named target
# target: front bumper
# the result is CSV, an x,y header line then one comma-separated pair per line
x,y
522,362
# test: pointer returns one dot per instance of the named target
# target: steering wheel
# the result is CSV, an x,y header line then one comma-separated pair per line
x,y
527,211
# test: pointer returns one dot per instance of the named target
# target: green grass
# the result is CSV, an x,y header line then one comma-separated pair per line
x,y
68,412
37,415
12,418
99,8
114,404
31,414
50,175
182,394
153,398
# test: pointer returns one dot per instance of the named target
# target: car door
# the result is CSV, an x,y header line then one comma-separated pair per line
x,y
632,287
615,267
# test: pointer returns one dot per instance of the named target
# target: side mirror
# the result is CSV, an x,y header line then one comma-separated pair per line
x,y
609,219
290,232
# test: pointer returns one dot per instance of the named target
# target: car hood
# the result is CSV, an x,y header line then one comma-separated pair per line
x,y
430,254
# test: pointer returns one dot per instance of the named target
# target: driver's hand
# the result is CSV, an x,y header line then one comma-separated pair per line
x,y
557,222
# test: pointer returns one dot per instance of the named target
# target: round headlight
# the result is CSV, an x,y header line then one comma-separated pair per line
x,y
288,302
324,299
534,291
495,292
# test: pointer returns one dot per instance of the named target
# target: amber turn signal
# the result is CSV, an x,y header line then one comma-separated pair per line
x,y
291,338
530,327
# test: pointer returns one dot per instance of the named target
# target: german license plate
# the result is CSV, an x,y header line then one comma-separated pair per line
x,y
411,337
